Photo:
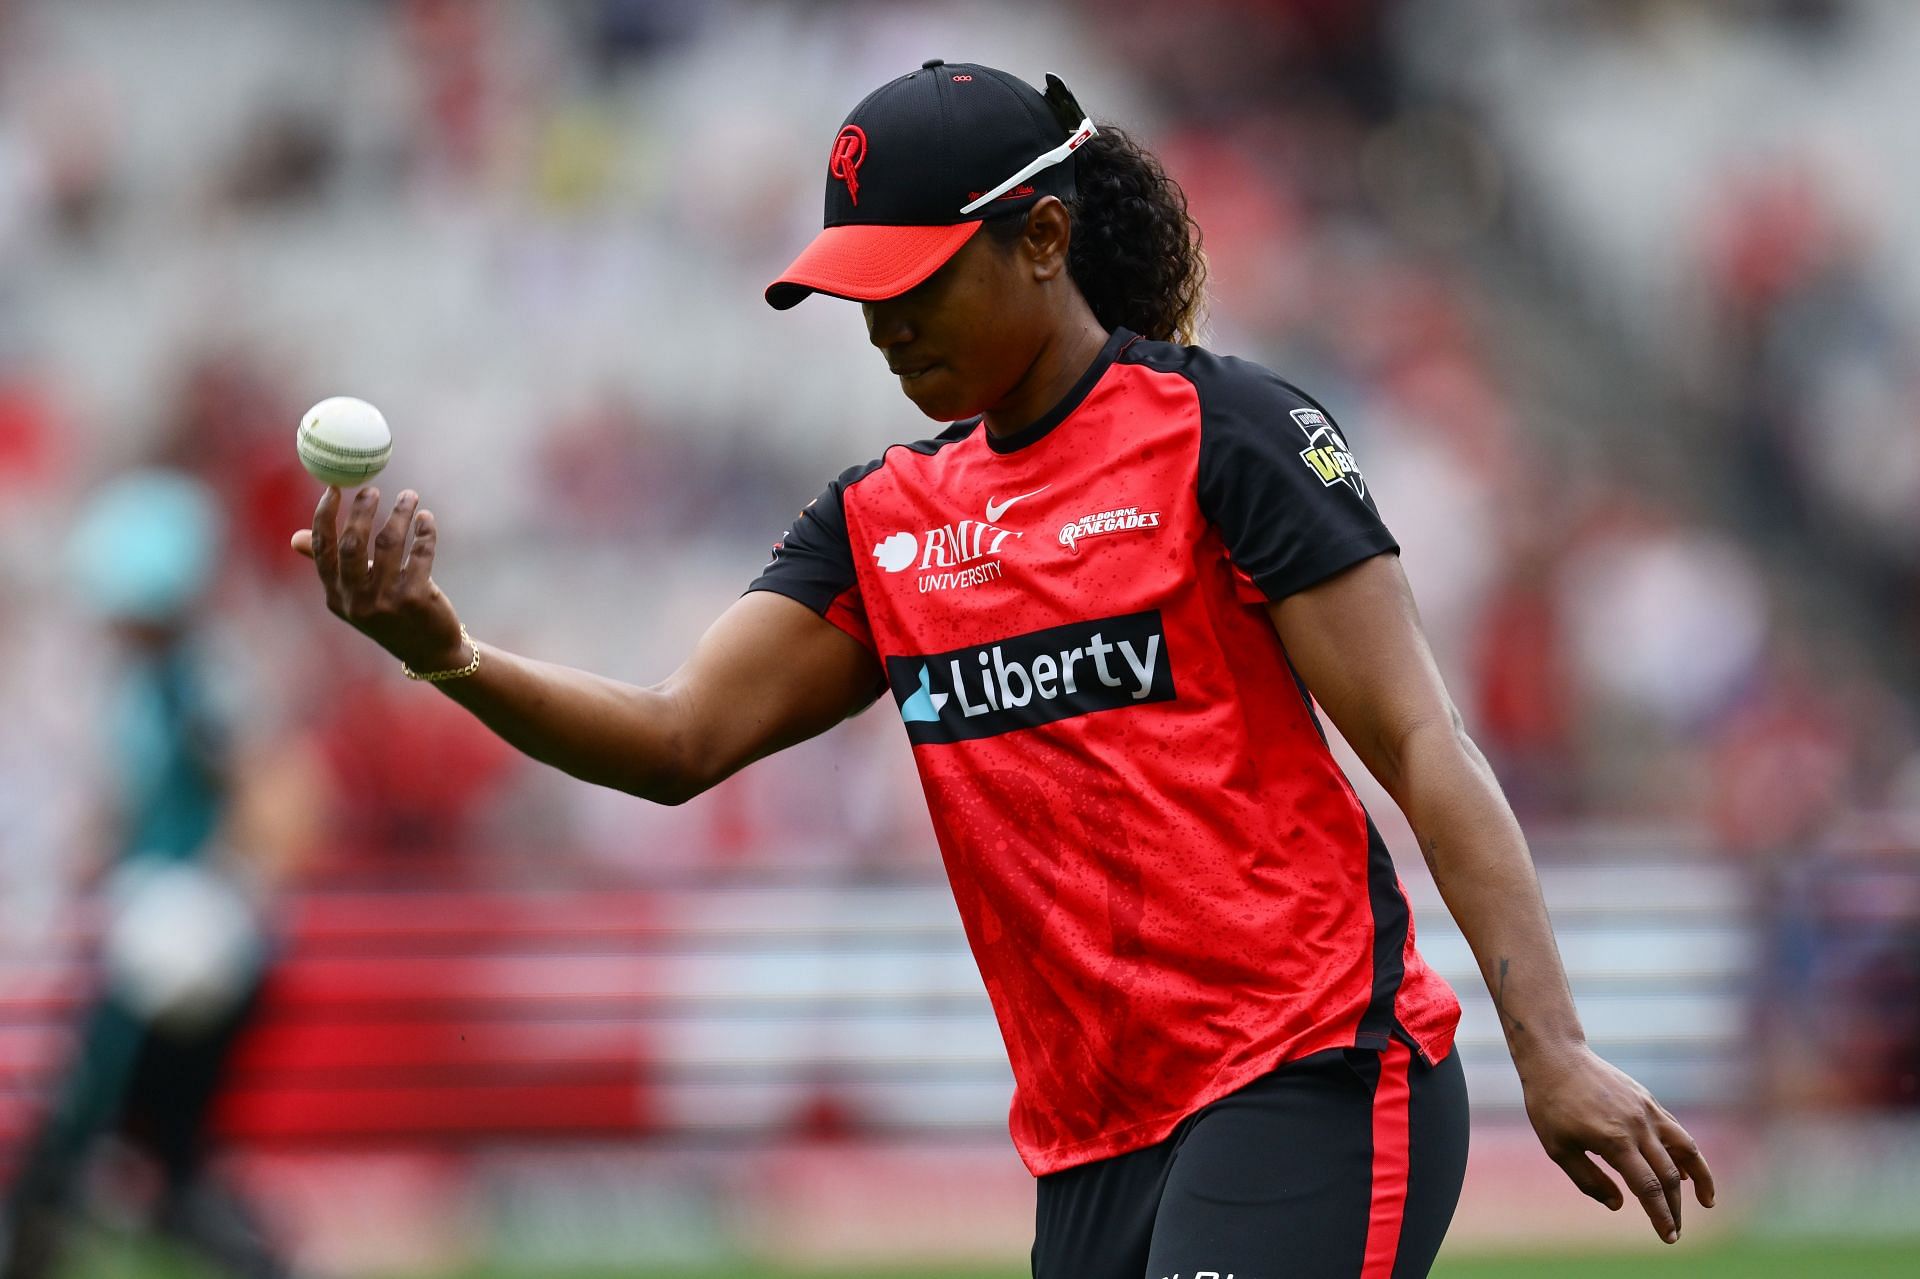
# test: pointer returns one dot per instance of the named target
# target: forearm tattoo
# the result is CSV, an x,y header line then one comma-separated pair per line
x,y
1507,1019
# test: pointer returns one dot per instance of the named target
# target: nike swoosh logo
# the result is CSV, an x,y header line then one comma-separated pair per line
x,y
996,509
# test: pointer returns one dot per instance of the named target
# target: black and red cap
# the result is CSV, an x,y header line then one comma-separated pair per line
x,y
920,164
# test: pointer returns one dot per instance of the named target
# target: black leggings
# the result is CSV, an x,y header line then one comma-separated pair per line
x,y
1343,1165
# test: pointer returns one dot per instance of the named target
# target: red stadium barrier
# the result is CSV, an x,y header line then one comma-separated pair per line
x,y
443,1016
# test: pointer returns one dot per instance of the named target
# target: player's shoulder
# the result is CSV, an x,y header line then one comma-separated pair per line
x,y
906,454
1227,385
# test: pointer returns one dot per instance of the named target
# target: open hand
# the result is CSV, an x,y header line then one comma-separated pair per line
x,y
381,583
1586,1104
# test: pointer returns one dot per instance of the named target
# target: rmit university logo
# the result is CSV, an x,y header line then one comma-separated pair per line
x,y
949,556
1024,681
1327,453
849,153
952,556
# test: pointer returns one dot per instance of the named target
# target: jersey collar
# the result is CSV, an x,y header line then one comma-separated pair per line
x,y
1038,429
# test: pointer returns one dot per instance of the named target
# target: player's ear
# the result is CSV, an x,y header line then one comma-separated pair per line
x,y
1048,234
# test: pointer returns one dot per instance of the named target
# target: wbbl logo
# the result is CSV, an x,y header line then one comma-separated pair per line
x,y
1024,681
1327,453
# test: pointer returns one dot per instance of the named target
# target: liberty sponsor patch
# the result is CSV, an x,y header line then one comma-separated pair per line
x,y
1327,452
1024,681
1125,519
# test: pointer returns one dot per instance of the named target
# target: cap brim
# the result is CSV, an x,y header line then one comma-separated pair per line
x,y
868,263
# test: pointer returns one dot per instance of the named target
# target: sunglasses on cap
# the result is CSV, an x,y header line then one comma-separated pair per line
x,y
1080,130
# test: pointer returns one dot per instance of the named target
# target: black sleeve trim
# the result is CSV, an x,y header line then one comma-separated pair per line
x,y
1278,480
813,562
792,590
1329,562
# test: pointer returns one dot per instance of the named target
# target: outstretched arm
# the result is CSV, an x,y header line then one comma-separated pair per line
x,y
1356,641
767,674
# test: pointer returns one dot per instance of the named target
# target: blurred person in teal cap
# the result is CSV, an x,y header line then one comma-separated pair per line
x,y
183,953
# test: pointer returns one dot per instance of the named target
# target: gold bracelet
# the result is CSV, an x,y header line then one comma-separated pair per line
x,y
435,677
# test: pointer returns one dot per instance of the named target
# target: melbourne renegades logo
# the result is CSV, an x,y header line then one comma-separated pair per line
x,y
849,152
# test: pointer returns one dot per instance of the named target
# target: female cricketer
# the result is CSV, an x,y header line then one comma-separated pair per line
x,y
1104,602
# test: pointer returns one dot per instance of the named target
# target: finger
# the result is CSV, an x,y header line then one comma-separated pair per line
x,y
353,545
426,540
390,543
1592,1181
1643,1184
1686,1153
323,538
1667,1171
303,542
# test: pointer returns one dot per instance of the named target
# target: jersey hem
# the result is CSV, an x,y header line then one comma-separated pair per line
x,y
1431,1049
1150,1131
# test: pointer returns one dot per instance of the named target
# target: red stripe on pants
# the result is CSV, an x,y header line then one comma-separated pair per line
x,y
1389,1162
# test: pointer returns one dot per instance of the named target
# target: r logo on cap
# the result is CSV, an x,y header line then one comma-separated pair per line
x,y
849,152
943,130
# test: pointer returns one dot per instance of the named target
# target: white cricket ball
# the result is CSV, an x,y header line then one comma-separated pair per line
x,y
343,442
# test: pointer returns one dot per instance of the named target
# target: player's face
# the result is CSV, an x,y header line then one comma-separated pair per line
x,y
961,341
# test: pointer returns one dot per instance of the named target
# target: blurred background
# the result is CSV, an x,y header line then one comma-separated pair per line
x,y
302,973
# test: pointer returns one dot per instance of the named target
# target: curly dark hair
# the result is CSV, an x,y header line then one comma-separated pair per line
x,y
1136,250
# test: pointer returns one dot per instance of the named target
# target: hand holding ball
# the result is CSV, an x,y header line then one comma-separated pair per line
x,y
343,442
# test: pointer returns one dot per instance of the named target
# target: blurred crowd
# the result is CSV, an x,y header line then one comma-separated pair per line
x,y
536,235
1714,194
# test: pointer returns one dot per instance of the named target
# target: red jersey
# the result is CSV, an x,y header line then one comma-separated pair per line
x,y
1167,881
